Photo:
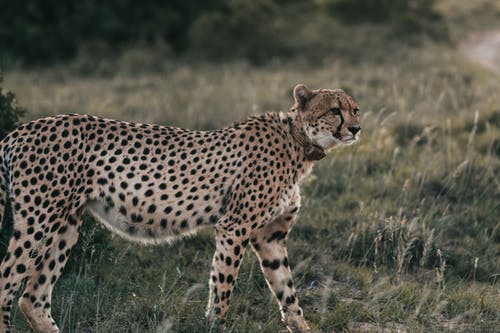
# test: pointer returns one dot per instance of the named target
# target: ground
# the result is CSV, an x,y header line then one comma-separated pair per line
x,y
397,233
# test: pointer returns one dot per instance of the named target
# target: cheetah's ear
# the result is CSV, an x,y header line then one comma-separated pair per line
x,y
302,95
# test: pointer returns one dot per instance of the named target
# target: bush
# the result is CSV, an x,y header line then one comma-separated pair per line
x,y
43,32
39,32
9,111
240,29
9,117
406,17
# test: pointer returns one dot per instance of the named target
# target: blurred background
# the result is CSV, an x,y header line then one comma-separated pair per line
x,y
398,233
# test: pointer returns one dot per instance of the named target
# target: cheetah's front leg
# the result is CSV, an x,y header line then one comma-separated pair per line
x,y
269,243
229,251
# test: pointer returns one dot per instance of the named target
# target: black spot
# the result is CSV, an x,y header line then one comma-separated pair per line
x,y
151,209
72,220
274,265
277,235
18,252
285,262
42,279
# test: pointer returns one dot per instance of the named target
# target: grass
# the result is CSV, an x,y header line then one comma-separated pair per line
x,y
397,233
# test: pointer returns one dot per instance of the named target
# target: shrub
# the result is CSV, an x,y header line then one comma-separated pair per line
x,y
406,17
40,32
241,28
9,111
43,32
9,117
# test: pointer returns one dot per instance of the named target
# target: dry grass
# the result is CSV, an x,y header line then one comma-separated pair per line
x,y
398,233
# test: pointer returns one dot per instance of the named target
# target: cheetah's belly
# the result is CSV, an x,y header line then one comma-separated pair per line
x,y
139,232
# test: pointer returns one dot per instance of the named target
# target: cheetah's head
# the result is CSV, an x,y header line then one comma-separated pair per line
x,y
330,118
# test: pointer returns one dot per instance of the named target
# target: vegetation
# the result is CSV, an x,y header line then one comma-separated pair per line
x,y
44,32
397,233
406,18
10,113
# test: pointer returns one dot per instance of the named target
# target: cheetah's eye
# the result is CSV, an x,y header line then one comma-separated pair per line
x,y
355,111
335,110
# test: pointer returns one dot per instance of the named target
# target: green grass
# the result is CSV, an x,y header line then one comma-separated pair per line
x,y
399,232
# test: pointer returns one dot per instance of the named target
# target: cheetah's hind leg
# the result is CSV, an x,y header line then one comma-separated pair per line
x,y
12,273
36,257
36,300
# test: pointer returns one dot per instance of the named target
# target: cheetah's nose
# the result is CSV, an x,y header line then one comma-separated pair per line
x,y
354,130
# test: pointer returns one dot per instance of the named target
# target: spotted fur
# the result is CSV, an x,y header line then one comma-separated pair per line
x,y
152,184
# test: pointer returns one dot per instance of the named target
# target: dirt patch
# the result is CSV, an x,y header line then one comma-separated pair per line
x,y
483,48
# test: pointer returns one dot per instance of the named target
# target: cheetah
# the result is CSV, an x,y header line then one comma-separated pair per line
x,y
153,184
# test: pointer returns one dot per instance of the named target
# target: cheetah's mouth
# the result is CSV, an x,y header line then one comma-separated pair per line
x,y
350,140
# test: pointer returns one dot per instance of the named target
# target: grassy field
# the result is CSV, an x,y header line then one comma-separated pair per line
x,y
399,233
